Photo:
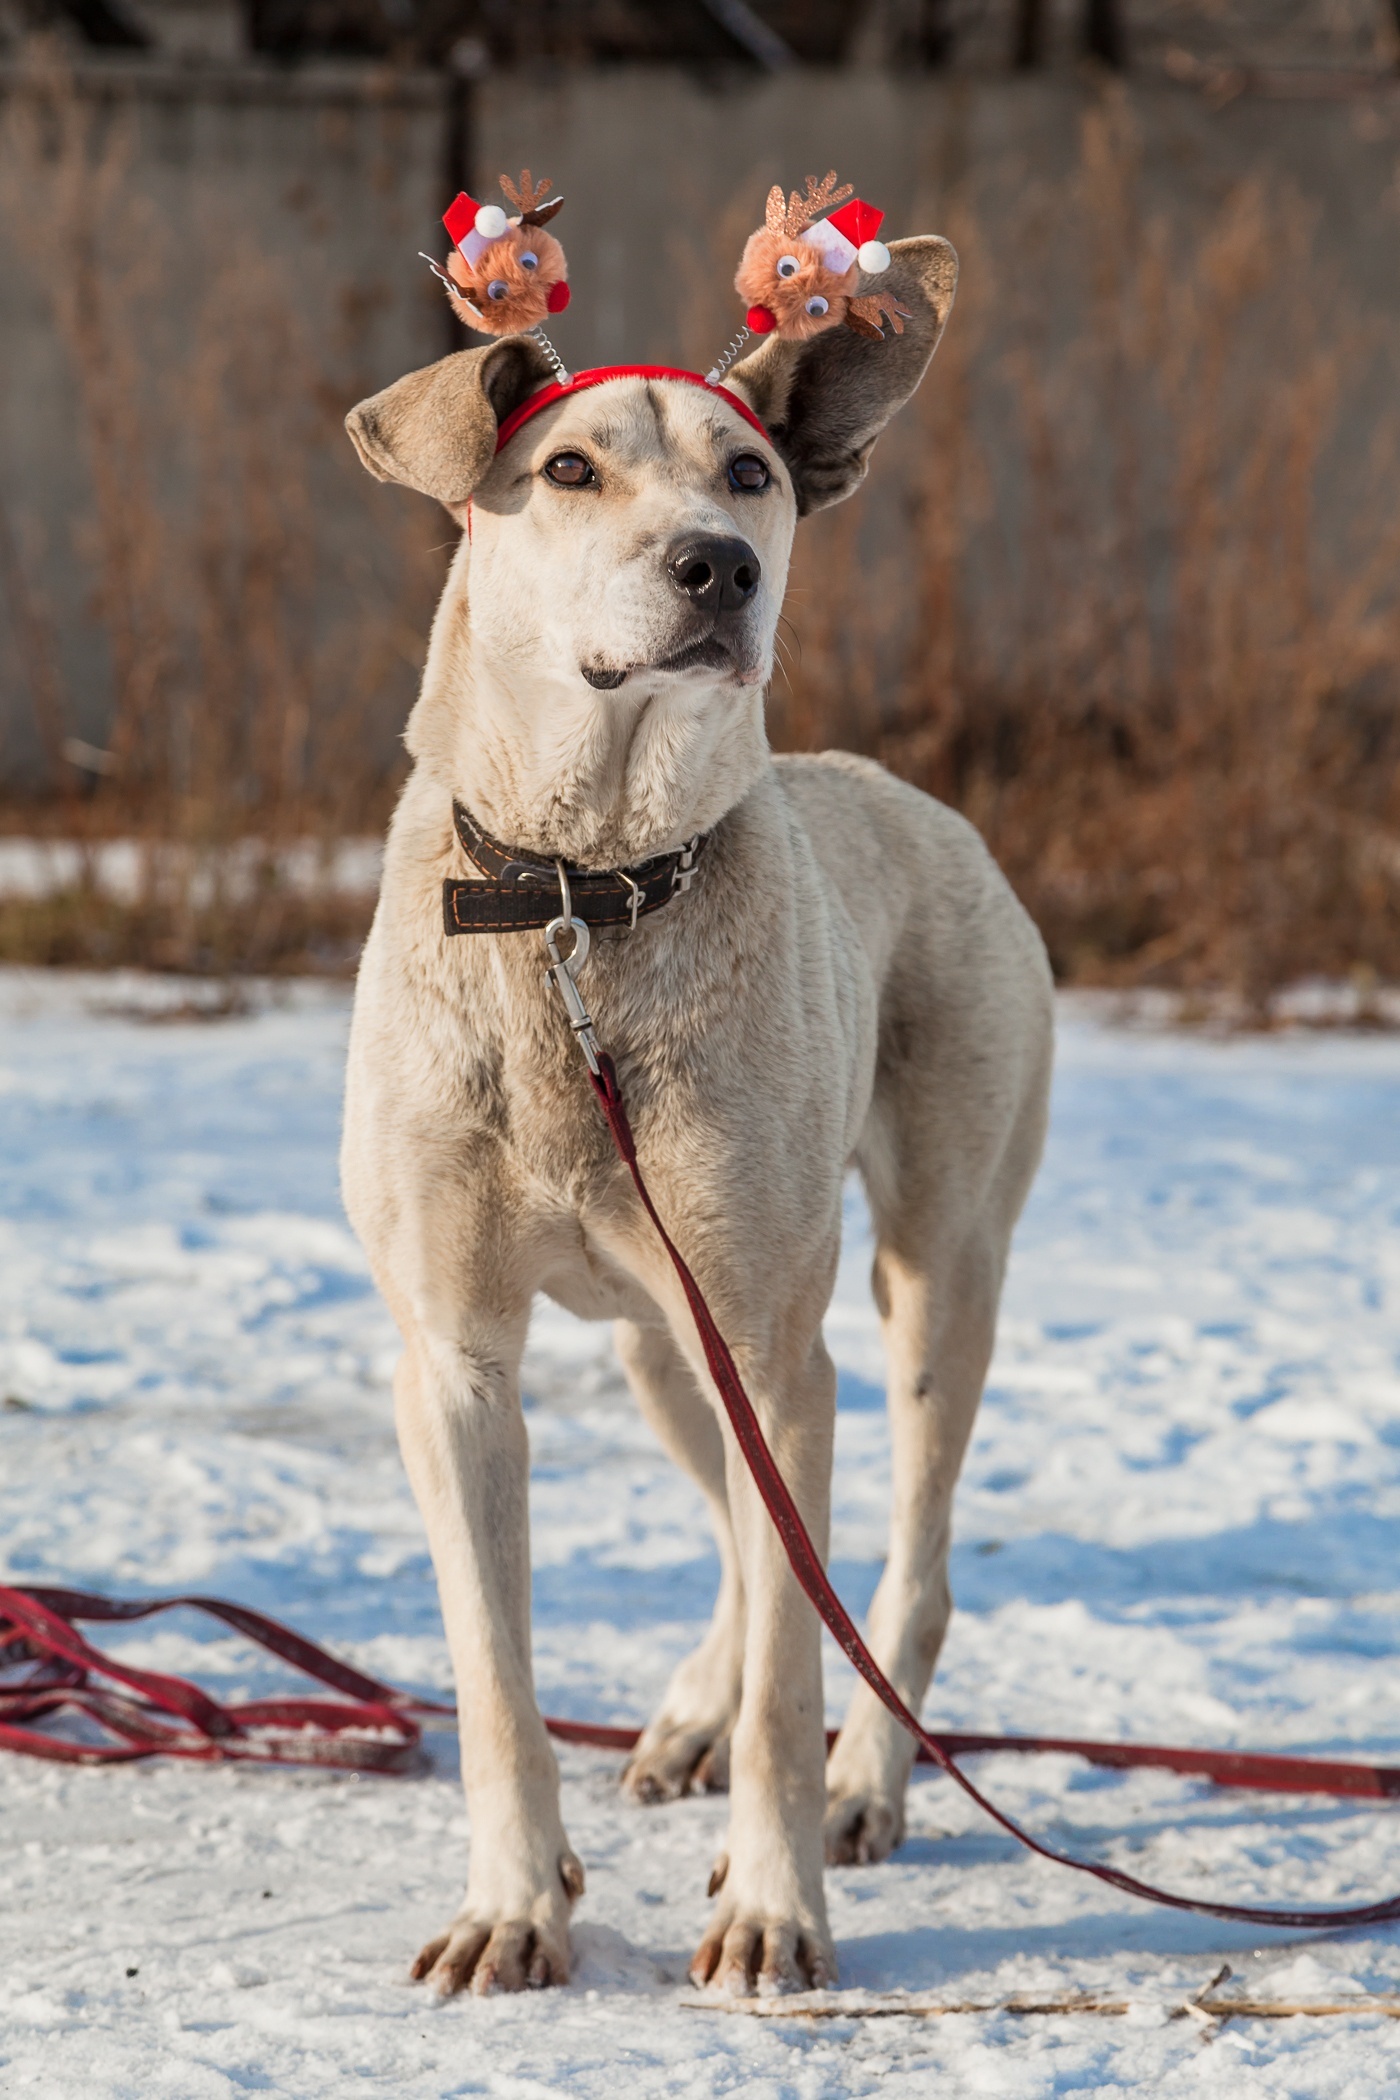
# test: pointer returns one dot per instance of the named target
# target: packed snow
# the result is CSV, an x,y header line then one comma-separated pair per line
x,y
1177,1522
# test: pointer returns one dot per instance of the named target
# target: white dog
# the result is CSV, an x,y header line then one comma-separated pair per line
x,y
848,980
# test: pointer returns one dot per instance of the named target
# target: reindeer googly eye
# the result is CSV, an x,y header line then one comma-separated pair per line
x,y
529,260
787,265
816,305
498,289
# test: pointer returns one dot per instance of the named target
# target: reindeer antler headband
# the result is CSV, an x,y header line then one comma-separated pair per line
x,y
800,273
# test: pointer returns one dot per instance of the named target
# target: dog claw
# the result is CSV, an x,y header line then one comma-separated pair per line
x,y
744,1959
672,1763
862,1830
427,1958
514,1955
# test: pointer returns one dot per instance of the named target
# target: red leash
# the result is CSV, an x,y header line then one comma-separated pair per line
x,y
39,1623
47,1666
372,1728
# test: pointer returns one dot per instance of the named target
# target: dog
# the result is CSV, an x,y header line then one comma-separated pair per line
x,y
848,982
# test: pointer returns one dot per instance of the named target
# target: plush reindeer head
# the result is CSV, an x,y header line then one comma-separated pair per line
x,y
505,275
800,273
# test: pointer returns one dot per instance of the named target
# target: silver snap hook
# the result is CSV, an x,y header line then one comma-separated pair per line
x,y
578,954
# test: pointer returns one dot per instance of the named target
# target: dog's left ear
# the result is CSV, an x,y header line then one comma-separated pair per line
x,y
826,400
435,430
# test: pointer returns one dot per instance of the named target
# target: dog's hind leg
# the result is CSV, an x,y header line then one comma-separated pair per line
x,y
686,1745
946,1169
939,1328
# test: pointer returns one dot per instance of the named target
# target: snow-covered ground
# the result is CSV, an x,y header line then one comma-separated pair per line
x,y
1177,1521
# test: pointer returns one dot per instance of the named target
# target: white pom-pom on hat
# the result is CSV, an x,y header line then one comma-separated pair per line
x,y
491,222
873,257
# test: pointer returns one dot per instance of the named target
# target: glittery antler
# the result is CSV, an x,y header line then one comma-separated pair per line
x,y
821,198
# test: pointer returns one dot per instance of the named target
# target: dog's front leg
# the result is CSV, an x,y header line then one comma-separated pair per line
x,y
464,1445
769,1927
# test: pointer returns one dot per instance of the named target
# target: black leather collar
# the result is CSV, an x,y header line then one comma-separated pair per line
x,y
520,893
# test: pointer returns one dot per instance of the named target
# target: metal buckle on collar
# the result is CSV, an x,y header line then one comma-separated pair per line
x,y
685,870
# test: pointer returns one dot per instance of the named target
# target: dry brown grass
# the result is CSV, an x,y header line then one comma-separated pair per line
x,y
278,933
256,680
1124,592
1169,697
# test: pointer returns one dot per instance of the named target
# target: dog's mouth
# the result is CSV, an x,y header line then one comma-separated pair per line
x,y
708,653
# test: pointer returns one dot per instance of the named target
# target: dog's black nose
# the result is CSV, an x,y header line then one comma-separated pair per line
x,y
715,571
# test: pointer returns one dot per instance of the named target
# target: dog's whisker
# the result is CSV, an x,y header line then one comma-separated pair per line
x,y
784,621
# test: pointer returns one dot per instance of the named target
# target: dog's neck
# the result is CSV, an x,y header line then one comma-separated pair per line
x,y
552,767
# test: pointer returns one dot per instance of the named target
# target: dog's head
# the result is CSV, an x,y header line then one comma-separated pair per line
x,y
640,531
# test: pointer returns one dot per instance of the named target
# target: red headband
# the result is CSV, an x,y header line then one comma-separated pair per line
x,y
581,381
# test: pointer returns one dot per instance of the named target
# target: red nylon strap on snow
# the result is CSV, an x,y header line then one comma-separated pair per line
x,y
807,1566
582,381
40,1623
373,1730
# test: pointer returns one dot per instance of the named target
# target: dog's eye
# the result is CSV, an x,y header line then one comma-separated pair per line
x,y
748,473
787,265
529,260
569,470
815,305
498,289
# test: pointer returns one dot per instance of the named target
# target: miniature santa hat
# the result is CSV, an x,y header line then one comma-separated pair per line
x,y
471,227
849,236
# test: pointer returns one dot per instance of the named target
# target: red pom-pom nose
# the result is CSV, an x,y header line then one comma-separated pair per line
x,y
558,297
761,320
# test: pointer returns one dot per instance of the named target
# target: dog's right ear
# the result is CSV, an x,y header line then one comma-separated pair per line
x,y
826,400
435,431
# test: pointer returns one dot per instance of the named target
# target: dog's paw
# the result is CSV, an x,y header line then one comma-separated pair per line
x,y
742,1955
672,1760
862,1826
484,1954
